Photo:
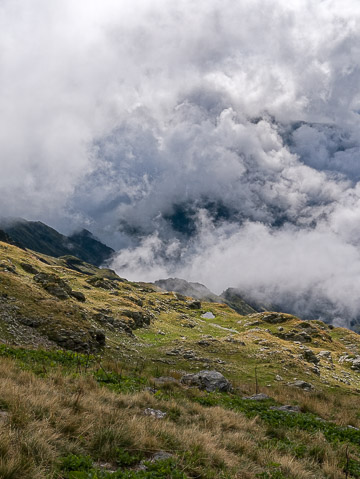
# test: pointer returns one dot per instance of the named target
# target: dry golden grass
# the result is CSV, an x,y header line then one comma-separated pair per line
x,y
49,418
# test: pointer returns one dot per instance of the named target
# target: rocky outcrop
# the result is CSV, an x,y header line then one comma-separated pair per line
x,y
194,304
53,285
81,341
209,381
29,268
57,287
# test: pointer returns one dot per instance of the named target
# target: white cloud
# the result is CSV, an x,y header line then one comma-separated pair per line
x,y
113,113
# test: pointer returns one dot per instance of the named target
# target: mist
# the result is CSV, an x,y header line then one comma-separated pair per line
x,y
213,141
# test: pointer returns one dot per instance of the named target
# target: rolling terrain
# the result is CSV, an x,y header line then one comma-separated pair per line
x,y
92,383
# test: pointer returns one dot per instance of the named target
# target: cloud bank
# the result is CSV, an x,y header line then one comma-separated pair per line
x,y
209,140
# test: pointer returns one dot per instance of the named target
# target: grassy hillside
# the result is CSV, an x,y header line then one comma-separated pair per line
x,y
85,354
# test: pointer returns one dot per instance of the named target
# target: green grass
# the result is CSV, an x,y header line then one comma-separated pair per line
x,y
81,467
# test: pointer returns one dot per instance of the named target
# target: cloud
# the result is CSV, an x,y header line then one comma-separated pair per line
x,y
187,133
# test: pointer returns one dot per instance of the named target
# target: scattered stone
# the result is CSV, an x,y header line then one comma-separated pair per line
x,y
356,364
278,377
210,381
4,415
31,322
188,324
106,466
155,413
8,266
165,380
208,315
302,385
159,456
325,354
286,408
257,397
231,339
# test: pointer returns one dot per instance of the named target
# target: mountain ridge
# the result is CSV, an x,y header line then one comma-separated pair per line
x,y
40,237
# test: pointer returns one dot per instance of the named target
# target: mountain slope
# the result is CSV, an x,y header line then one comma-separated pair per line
x,y
39,237
231,297
89,362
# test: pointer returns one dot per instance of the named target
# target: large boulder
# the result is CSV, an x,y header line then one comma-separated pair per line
x,y
209,381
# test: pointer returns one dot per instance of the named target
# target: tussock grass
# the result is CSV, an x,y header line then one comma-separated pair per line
x,y
51,417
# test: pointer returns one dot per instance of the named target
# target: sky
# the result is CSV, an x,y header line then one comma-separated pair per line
x,y
216,141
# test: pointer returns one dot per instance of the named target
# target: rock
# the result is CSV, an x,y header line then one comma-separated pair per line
x,y
274,318
302,385
310,356
189,324
286,408
231,339
161,456
78,295
165,380
257,397
4,415
158,456
53,285
356,364
194,304
209,381
155,413
99,336
8,266
29,268
31,322
102,283
139,318
278,377
325,354
208,315
295,335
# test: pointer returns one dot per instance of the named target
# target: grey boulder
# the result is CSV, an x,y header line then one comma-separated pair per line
x,y
209,381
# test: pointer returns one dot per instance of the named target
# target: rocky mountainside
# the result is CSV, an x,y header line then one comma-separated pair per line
x,y
39,237
114,379
231,296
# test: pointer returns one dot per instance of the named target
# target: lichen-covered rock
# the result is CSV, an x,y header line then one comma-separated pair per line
x,y
210,381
